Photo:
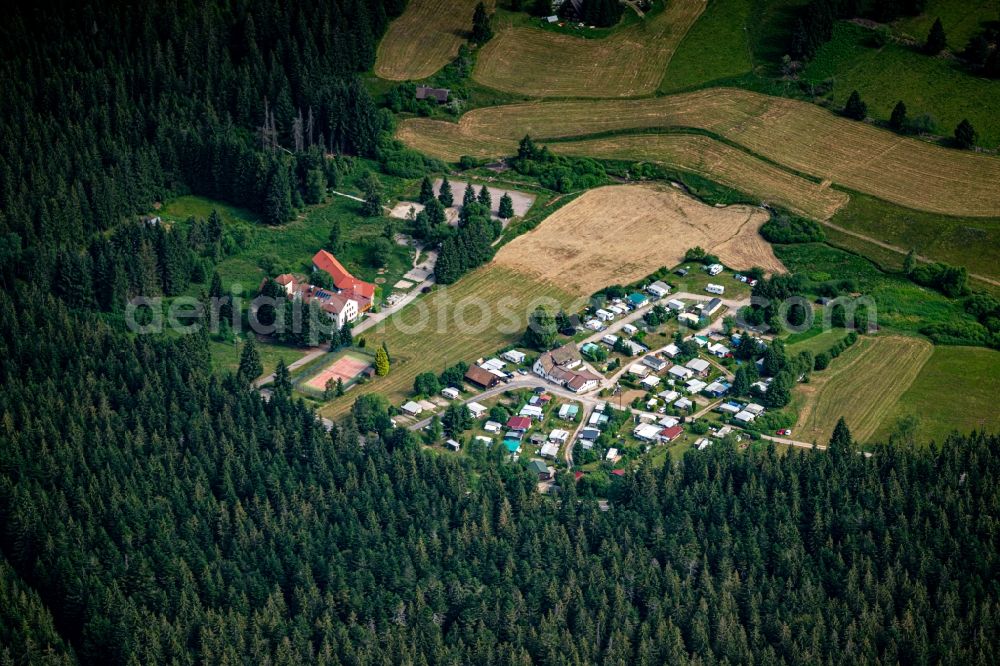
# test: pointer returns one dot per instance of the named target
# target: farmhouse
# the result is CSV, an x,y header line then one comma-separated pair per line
x,y
481,377
514,356
347,285
478,411
658,289
439,95
557,367
583,381
699,366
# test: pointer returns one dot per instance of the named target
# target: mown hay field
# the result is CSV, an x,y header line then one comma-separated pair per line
x,y
863,385
718,162
424,39
956,390
620,233
629,62
799,136
482,312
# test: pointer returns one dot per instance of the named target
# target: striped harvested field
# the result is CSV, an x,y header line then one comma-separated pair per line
x,y
629,62
862,385
718,162
424,39
620,233
799,136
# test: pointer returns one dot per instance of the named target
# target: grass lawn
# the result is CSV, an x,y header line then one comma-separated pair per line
x,y
955,390
814,340
961,20
698,60
267,250
226,356
181,208
883,76
862,385
973,242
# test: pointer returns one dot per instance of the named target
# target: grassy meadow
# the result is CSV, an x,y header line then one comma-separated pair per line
x,y
955,390
862,386
937,86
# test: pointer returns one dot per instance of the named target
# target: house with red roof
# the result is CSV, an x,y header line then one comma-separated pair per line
x,y
671,433
521,423
346,284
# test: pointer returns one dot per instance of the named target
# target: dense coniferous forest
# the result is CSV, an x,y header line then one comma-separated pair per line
x,y
152,512
109,106
161,514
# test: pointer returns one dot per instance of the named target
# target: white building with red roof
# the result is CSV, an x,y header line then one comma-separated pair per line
x,y
347,285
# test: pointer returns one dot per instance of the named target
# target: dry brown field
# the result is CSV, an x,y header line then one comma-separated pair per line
x,y
799,136
621,233
629,62
720,163
424,39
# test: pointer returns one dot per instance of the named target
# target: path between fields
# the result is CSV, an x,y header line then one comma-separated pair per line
x,y
896,248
